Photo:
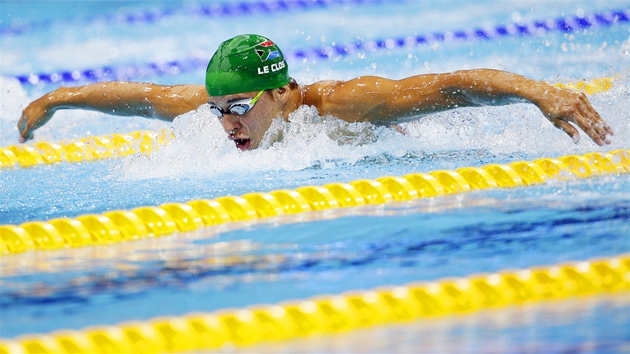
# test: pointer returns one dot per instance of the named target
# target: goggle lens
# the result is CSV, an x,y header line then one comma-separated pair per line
x,y
216,111
239,107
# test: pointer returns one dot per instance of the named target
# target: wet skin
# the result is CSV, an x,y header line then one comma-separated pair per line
x,y
247,130
371,99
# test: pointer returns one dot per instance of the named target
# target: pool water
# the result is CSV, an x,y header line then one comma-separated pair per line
x,y
325,252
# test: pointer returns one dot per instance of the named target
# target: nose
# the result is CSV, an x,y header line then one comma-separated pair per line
x,y
231,123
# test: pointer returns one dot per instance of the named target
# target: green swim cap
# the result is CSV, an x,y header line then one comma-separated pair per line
x,y
246,63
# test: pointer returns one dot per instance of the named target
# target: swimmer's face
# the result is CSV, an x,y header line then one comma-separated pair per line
x,y
248,129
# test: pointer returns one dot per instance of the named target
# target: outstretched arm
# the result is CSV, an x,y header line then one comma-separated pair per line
x,y
117,98
383,101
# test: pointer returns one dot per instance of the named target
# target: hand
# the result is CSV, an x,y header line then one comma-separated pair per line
x,y
564,107
34,116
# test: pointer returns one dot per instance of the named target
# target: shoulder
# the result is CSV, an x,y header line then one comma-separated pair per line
x,y
325,85
315,94
321,87
352,100
330,90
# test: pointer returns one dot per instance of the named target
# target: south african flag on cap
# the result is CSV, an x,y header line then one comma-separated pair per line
x,y
267,50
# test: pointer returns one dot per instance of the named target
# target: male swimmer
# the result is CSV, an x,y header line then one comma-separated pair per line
x,y
248,85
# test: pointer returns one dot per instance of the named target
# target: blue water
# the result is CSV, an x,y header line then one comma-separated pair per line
x,y
306,259
333,251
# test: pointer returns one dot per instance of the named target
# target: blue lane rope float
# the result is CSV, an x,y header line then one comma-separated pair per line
x,y
567,24
533,28
212,10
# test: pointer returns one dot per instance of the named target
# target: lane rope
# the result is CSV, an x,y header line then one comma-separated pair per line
x,y
167,219
329,314
113,146
87,149
566,24
211,10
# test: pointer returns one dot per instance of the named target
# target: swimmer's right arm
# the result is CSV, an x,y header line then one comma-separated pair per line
x,y
116,98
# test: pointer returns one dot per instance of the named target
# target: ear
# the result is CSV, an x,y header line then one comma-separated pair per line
x,y
281,94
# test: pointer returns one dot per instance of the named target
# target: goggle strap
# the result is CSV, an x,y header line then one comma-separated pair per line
x,y
234,105
256,98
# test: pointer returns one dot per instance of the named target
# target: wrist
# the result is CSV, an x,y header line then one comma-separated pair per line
x,y
59,99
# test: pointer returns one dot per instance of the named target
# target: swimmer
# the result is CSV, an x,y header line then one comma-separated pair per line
x,y
248,85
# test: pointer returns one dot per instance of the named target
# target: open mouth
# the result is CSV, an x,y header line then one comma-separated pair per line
x,y
242,144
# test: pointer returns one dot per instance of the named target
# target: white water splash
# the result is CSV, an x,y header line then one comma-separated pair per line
x,y
201,147
309,140
522,127
12,102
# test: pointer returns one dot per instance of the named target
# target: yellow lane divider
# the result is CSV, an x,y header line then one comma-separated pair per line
x,y
85,149
166,219
120,145
591,87
327,314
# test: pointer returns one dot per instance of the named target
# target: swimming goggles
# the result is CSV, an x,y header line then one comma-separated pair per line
x,y
239,107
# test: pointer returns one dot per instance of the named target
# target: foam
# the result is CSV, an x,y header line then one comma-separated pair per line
x,y
309,140
313,141
14,99
201,147
65,124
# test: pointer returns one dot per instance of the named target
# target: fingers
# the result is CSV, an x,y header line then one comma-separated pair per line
x,y
587,119
25,132
567,110
567,128
596,128
604,130
25,137
600,131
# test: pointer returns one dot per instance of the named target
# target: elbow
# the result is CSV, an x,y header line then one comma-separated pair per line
x,y
456,97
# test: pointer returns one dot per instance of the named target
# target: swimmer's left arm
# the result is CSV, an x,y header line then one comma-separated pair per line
x,y
384,101
563,108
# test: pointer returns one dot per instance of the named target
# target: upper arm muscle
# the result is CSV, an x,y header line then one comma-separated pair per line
x,y
170,101
383,101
